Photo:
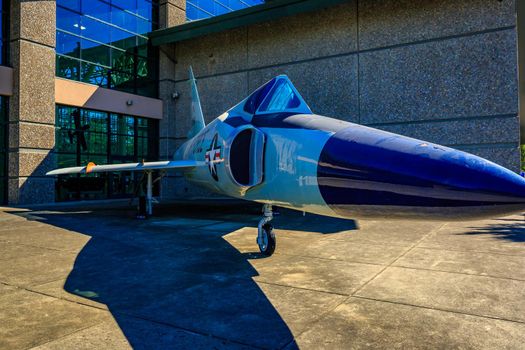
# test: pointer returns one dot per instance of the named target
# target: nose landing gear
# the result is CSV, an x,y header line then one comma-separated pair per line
x,y
265,236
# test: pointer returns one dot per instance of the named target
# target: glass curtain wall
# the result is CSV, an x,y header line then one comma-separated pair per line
x,y
105,42
84,136
199,9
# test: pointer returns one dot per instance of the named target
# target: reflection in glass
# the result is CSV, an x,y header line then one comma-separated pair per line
x,y
68,44
200,9
107,38
97,9
109,138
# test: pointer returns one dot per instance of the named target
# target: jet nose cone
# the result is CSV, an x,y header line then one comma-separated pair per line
x,y
363,169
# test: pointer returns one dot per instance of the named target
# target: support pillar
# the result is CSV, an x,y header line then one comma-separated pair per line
x,y
172,13
32,105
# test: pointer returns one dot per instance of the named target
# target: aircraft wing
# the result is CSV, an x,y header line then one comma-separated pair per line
x,y
92,168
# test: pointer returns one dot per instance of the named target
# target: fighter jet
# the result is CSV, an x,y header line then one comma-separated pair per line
x,y
272,149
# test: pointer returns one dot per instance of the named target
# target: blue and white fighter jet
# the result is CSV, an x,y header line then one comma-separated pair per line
x,y
272,149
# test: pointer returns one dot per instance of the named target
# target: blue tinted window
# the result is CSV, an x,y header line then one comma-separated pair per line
x,y
107,38
68,20
199,9
129,5
70,4
144,8
124,19
95,30
84,136
68,44
97,9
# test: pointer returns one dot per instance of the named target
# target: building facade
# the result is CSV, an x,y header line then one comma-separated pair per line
x,y
445,71
106,80
78,83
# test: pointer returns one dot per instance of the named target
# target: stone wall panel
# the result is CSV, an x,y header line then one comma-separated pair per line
x,y
326,32
329,86
467,76
33,21
212,54
393,22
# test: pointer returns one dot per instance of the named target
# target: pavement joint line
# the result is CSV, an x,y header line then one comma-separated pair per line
x,y
302,288
446,249
38,246
367,243
459,273
329,259
438,309
346,240
399,257
66,335
167,324
323,315
28,289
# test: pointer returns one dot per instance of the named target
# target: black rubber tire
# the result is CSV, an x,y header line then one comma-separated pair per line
x,y
270,248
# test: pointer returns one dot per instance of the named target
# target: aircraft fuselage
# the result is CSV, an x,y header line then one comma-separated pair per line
x,y
331,167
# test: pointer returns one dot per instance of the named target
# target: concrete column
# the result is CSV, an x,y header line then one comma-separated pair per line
x,y
32,105
171,13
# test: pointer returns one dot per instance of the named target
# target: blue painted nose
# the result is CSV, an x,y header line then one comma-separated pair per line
x,y
375,173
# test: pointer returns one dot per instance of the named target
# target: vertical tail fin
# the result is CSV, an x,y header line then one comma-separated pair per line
x,y
197,117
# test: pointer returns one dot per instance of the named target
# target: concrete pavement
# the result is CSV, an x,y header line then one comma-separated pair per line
x,y
191,277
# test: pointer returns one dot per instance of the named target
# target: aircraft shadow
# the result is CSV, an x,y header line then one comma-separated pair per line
x,y
185,277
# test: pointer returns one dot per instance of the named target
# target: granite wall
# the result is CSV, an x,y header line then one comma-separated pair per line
x,y
32,105
440,70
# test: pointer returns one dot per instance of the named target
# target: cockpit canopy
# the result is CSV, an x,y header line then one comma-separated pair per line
x,y
276,96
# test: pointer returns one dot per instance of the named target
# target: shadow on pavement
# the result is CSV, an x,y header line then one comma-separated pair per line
x,y
510,229
187,277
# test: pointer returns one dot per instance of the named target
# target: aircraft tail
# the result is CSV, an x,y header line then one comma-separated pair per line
x,y
197,117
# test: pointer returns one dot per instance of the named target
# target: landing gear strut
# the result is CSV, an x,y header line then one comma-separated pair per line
x,y
265,235
145,206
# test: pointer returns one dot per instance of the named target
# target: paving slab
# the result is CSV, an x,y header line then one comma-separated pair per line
x,y
29,319
504,236
258,314
300,308
398,232
9,250
368,324
6,289
323,275
195,282
478,295
352,251
140,334
236,309
487,264
33,270
46,236
57,289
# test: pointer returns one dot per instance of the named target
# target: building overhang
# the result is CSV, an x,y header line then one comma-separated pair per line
x,y
268,11
83,95
6,81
